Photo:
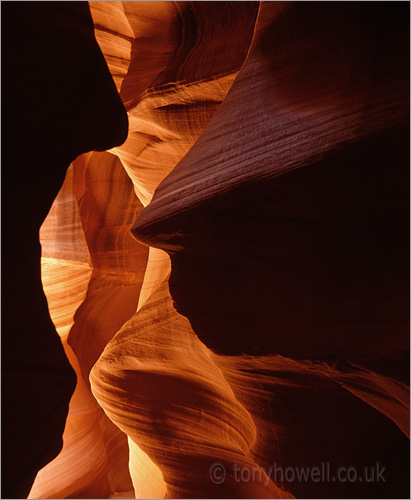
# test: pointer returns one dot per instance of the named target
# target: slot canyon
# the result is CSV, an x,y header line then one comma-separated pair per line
x,y
205,249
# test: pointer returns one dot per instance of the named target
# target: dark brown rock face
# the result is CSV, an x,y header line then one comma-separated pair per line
x,y
54,81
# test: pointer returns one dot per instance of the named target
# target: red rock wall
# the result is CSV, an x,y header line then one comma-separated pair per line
x,y
256,315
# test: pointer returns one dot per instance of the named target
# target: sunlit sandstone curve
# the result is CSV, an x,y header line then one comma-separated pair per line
x,y
267,321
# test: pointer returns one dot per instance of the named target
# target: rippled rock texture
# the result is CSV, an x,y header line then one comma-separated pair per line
x,y
230,279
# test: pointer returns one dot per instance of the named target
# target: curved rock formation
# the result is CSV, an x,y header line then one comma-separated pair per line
x,y
264,332
54,80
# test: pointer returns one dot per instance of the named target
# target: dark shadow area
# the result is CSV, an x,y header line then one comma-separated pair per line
x,y
365,42
325,424
58,101
313,264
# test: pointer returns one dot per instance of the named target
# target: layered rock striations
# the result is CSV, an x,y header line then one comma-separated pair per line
x,y
230,284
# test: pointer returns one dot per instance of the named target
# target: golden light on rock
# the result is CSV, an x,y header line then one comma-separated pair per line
x,y
228,279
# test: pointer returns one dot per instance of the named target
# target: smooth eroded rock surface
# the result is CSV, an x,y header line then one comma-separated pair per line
x,y
231,283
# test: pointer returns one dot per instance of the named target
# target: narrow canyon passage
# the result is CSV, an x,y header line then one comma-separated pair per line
x,y
205,250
